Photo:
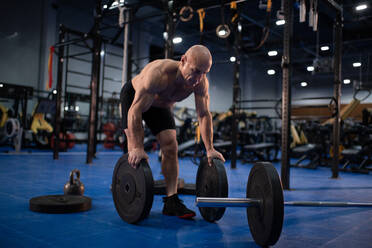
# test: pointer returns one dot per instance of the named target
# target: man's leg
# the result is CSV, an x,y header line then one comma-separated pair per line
x,y
169,165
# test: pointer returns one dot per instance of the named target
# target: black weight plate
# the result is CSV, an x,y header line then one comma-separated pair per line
x,y
60,204
211,181
266,221
132,190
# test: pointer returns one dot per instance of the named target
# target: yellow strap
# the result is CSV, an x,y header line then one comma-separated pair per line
x,y
295,136
4,116
269,5
197,132
201,13
234,6
39,123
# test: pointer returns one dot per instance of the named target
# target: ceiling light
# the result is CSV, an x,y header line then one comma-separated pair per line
x,y
165,36
240,27
177,40
66,108
102,53
1,85
232,59
310,68
347,81
280,22
223,31
361,7
357,64
271,72
55,92
303,84
324,48
77,108
105,6
272,53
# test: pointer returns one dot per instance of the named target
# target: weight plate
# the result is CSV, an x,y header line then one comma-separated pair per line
x,y
266,221
132,190
60,204
211,181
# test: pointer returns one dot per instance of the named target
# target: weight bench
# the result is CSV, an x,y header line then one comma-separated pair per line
x,y
354,156
261,151
308,151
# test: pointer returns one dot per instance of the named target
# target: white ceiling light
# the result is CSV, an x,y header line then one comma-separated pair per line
x,y
310,68
347,81
232,59
177,40
361,7
240,27
55,92
357,64
165,36
272,53
271,72
280,22
66,108
77,108
102,53
324,48
303,84
105,6
1,85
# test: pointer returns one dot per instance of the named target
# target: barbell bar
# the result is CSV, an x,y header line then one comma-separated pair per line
x,y
252,202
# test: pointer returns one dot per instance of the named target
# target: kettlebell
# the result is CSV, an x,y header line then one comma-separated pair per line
x,y
74,186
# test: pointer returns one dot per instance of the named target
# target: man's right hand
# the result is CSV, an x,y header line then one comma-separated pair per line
x,y
135,156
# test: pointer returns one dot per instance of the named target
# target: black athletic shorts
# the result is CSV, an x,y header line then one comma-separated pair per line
x,y
157,119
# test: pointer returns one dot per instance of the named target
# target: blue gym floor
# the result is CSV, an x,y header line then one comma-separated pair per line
x,y
24,176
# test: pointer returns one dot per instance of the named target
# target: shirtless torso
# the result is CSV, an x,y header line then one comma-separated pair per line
x,y
170,85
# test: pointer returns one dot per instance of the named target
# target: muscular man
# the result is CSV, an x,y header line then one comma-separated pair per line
x,y
150,96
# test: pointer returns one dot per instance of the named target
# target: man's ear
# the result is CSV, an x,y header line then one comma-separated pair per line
x,y
183,60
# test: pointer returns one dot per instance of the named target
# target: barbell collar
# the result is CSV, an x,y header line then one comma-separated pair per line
x,y
227,202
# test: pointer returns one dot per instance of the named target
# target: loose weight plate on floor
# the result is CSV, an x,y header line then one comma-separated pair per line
x,y
132,190
59,204
211,181
265,221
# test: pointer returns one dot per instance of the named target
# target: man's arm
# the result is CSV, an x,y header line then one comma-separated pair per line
x,y
143,98
205,120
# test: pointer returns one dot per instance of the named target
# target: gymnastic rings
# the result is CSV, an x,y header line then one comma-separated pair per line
x,y
186,13
223,31
362,98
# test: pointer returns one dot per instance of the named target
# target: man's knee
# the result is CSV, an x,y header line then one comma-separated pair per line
x,y
169,148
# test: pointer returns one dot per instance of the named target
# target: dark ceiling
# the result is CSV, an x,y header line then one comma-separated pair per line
x,y
357,30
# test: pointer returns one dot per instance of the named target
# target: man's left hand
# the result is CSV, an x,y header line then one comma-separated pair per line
x,y
211,154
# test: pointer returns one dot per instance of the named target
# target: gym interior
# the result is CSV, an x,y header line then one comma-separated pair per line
x,y
290,103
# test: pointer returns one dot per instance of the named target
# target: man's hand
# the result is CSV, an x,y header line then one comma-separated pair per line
x,y
135,156
211,154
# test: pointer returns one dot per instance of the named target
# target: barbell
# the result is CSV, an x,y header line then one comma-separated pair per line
x,y
251,202
132,190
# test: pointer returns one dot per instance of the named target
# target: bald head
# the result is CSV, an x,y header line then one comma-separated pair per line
x,y
199,54
195,64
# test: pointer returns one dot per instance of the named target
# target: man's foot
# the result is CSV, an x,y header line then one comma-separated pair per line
x,y
174,206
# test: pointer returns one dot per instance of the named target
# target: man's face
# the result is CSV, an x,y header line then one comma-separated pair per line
x,y
194,71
